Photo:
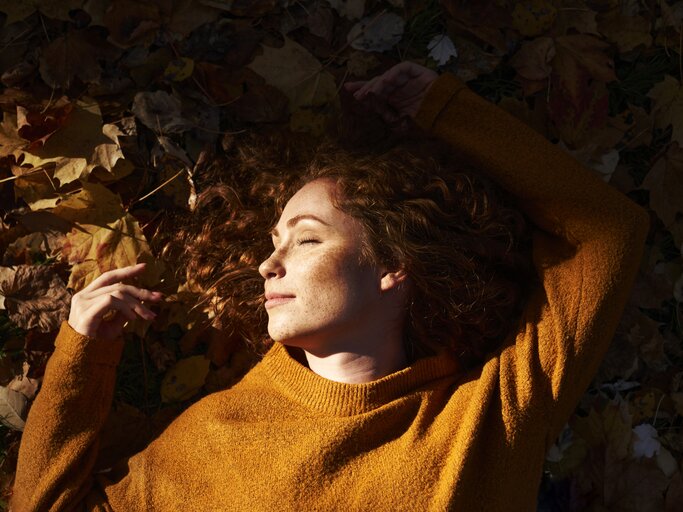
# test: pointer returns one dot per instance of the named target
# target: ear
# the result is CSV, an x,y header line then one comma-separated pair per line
x,y
391,280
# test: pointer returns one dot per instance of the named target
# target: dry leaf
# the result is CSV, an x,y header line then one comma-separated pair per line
x,y
376,34
297,73
34,296
184,379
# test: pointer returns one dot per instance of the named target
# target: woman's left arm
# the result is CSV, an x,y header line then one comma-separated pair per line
x,y
588,241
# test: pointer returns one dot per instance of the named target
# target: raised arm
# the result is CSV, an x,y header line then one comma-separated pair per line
x,y
587,241
60,441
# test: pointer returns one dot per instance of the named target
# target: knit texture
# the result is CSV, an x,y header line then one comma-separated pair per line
x,y
427,437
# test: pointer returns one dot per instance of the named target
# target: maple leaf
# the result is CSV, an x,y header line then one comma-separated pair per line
x,y
297,73
34,296
441,49
80,145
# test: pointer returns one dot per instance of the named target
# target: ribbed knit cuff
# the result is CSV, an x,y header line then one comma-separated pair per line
x,y
93,351
438,95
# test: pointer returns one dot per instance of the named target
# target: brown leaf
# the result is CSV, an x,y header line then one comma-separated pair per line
x,y
132,22
589,53
667,96
665,183
633,485
74,149
627,32
10,140
72,55
533,60
13,408
160,112
35,296
251,8
24,384
36,123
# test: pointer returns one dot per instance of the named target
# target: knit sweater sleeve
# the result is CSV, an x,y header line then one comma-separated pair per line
x,y
587,243
60,441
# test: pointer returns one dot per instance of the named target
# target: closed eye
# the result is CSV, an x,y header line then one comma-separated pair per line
x,y
306,241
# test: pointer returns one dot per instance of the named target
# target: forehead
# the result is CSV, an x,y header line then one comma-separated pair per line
x,y
316,198
317,194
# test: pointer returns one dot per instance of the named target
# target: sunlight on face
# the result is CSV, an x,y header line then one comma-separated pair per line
x,y
317,289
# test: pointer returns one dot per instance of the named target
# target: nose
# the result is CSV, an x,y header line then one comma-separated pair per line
x,y
271,267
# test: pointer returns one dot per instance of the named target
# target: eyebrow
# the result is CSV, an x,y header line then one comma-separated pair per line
x,y
291,222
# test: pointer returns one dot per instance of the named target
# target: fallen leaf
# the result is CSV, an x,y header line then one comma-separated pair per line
x,y
75,54
34,296
441,49
534,58
13,408
627,32
184,379
533,17
350,9
160,112
665,184
297,73
376,33
667,97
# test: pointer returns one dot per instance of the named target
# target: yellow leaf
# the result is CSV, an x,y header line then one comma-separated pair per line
x,y
179,69
184,379
304,120
533,17
79,146
116,245
297,73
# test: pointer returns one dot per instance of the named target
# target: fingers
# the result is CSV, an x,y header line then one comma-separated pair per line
x,y
354,86
114,276
133,291
119,301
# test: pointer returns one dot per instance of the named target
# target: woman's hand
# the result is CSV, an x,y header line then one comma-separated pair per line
x,y
396,93
107,292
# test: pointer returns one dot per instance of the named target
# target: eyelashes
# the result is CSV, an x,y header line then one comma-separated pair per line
x,y
306,241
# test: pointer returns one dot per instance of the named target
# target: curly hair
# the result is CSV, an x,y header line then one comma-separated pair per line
x,y
457,235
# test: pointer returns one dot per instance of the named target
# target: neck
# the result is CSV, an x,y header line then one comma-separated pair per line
x,y
355,363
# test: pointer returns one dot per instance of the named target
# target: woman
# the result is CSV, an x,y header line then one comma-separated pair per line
x,y
373,394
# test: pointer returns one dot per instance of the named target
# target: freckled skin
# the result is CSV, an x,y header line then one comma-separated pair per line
x,y
337,300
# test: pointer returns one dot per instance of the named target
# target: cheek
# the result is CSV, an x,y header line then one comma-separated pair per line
x,y
335,285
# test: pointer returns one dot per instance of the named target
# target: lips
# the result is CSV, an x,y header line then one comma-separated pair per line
x,y
277,299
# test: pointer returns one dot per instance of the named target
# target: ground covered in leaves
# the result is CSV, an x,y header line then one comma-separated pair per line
x,y
109,107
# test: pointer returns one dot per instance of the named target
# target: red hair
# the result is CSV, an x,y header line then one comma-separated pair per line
x,y
463,244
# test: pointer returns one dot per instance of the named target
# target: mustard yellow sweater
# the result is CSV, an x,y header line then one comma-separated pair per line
x,y
428,437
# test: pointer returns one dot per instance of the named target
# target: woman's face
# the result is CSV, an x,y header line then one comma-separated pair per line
x,y
318,292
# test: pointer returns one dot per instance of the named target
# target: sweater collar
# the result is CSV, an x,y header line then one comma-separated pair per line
x,y
342,399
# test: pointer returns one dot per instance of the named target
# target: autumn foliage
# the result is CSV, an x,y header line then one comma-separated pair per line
x,y
111,108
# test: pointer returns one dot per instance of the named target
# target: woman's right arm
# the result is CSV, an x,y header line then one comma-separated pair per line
x,y
60,441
